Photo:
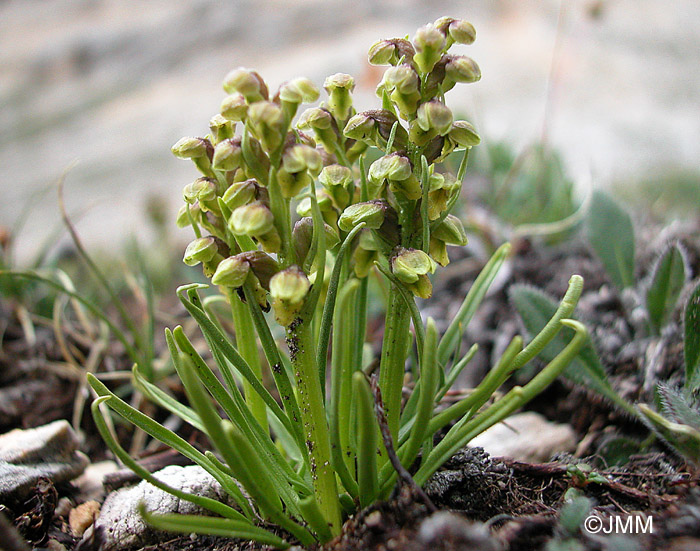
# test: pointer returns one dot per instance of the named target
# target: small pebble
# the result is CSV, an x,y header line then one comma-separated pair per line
x,y
82,516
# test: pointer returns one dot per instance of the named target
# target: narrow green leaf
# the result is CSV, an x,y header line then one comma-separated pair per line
x,y
205,502
692,341
666,286
367,440
611,234
536,308
169,438
476,294
188,524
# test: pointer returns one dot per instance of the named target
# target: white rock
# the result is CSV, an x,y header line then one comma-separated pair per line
x,y
526,436
120,522
49,451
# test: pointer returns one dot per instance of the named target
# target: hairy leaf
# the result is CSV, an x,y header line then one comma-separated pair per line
x,y
611,235
692,341
666,285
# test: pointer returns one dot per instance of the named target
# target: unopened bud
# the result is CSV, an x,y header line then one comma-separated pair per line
x,y
288,290
461,68
411,266
339,87
302,236
302,157
228,155
200,250
391,51
221,128
372,213
187,214
451,231
390,167
463,134
267,121
338,182
408,264
299,90
240,193
434,115
191,148
430,43
253,219
402,85
456,30
246,82
234,107
231,272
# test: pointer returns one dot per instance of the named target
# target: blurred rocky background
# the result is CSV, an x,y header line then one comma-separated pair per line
x,y
100,89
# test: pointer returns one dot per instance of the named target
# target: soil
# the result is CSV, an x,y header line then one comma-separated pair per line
x,y
509,505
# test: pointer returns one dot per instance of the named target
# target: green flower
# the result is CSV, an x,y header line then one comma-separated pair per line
x,y
339,87
430,44
247,83
288,289
411,266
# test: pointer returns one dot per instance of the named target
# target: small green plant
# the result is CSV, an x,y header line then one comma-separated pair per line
x,y
310,458
611,236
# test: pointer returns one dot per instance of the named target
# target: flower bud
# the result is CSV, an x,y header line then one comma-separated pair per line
x,y
408,264
411,266
187,214
430,43
234,107
227,155
298,90
267,121
231,272
247,83
253,219
434,115
325,205
456,30
302,157
374,128
463,134
288,290
203,190
451,231
372,213
339,87
360,127
460,68
240,193
191,148
338,182
262,265
200,250
323,124
390,52
221,128
302,236
402,85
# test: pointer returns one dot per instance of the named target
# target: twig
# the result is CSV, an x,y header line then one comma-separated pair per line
x,y
404,475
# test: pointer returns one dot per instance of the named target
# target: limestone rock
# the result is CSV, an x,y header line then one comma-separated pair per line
x,y
122,526
528,437
49,451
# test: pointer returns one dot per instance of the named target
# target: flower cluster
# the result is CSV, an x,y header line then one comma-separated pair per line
x,y
256,161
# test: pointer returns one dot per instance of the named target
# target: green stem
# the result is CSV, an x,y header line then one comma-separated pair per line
x,y
393,359
248,349
313,415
